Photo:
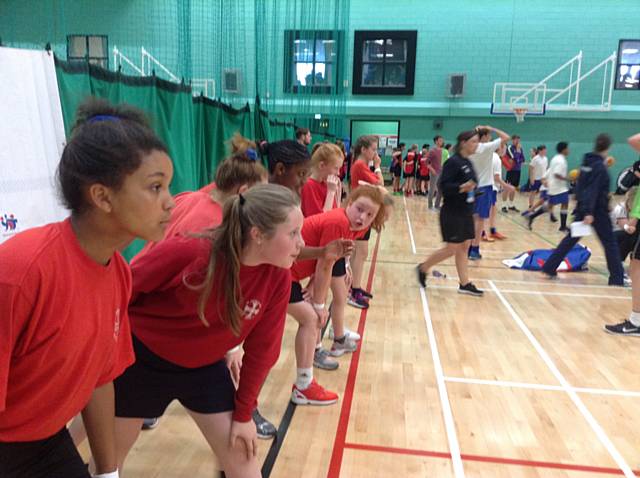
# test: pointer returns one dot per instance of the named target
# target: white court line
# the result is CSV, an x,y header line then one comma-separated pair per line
x,y
539,292
595,426
539,386
549,283
454,447
406,211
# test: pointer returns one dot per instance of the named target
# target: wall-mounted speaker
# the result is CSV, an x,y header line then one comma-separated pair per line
x,y
437,124
455,85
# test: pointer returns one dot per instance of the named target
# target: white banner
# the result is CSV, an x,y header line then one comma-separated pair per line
x,y
31,141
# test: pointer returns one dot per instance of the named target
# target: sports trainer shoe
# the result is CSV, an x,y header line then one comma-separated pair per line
x,y
514,209
315,394
497,235
553,218
150,423
348,332
422,277
504,209
623,328
470,289
264,428
338,349
358,300
321,360
474,256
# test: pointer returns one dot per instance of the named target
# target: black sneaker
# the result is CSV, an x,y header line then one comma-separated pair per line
x,y
265,429
550,275
564,229
530,223
470,289
553,218
623,328
422,277
150,423
514,209
504,209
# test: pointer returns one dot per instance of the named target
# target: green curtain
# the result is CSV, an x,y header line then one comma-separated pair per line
x,y
195,130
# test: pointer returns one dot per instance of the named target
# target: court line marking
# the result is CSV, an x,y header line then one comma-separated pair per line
x,y
406,211
538,292
539,386
335,463
447,414
486,459
595,426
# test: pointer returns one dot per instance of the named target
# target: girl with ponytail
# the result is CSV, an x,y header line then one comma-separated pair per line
x,y
195,298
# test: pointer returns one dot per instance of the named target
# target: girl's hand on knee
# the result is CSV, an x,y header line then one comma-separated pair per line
x,y
244,434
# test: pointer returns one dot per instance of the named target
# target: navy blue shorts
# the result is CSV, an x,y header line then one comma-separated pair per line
x,y
544,195
536,185
562,198
147,388
484,196
494,197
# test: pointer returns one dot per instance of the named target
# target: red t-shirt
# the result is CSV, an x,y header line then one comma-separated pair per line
x,y
319,230
361,172
164,313
194,212
435,159
207,189
423,164
313,196
409,163
64,329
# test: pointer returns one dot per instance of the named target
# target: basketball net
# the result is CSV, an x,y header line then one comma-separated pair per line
x,y
519,113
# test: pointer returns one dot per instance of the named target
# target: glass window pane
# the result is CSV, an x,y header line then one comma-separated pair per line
x,y
97,46
77,46
371,75
324,74
372,51
396,50
303,74
302,50
326,50
395,75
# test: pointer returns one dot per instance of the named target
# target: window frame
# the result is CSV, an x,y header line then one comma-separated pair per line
x,y
87,57
360,36
290,36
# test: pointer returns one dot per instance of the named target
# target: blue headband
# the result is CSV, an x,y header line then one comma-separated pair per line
x,y
252,155
97,118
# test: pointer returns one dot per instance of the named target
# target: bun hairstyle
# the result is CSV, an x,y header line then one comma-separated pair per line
x,y
108,143
286,151
241,167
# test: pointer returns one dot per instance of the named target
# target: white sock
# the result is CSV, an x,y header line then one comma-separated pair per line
x,y
304,377
634,318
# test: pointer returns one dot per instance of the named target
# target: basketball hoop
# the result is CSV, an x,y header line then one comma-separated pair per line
x,y
520,113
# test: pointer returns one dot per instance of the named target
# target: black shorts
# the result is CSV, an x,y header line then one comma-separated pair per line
x,y
456,227
339,268
147,388
631,246
513,178
53,457
295,295
367,235
423,177
396,171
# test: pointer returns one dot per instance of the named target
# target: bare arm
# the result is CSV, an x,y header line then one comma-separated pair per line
x,y
634,142
99,421
501,134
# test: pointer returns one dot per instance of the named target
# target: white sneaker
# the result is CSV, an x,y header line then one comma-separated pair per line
x,y
348,332
338,349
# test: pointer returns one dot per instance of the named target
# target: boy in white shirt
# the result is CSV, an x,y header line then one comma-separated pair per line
x,y
537,168
482,161
557,186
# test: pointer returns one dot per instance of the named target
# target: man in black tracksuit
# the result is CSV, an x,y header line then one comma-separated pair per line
x,y
592,194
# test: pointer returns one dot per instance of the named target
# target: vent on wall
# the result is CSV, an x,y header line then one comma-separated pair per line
x,y
455,85
231,81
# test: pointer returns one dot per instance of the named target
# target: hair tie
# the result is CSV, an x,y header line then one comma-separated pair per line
x,y
96,118
242,199
251,154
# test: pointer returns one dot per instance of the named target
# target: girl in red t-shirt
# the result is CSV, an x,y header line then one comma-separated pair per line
x,y
288,163
195,298
409,169
64,333
322,191
423,170
364,210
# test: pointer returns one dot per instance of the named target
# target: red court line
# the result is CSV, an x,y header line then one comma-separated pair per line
x,y
345,411
489,459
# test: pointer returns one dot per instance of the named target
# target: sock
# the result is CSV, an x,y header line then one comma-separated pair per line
x,y
493,230
634,318
563,219
510,202
537,213
304,377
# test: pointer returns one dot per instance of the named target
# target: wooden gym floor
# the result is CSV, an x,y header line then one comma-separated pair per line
x,y
520,383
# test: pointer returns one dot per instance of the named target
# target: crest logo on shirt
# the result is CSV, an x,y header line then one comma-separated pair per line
x,y
116,326
10,224
251,309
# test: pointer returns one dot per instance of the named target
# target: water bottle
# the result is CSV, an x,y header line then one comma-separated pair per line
x,y
438,274
471,196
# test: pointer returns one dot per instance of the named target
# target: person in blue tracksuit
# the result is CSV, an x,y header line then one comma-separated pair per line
x,y
592,194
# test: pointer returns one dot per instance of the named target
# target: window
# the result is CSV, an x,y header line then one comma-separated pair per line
x,y
628,71
313,64
384,62
91,48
